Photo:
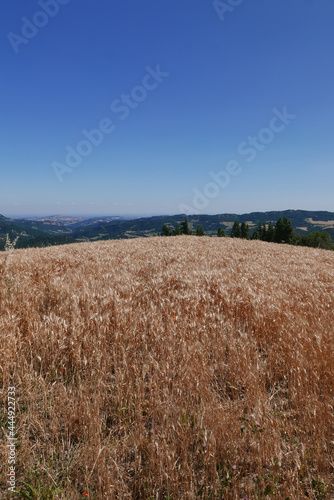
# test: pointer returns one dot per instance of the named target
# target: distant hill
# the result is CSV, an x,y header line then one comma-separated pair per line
x,y
44,231
32,233
304,222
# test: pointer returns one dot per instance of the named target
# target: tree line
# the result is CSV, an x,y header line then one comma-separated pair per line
x,y
280,232
182,228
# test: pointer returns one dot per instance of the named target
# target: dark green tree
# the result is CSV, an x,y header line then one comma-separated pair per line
x,y
264,233
244,230
166,231
271,232
259,230
279,230
220,233
177,230
255,236
319,239
287,230
199,231
236,233
185,226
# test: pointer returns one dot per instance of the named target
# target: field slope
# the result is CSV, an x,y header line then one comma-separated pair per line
x,y
169,368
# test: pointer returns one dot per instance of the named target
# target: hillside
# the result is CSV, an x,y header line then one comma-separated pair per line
x,y
303,223
53,230
169,368
33,233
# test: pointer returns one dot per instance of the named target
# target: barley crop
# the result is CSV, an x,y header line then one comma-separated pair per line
x,y
169,368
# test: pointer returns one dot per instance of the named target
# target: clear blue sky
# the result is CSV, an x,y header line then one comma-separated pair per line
x,y
228,69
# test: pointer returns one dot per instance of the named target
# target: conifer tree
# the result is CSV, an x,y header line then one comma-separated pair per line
x,y
236,233
166,231
287,230
177,230
199,231
220,233
244,230
279,230
264,232
271,232
185,226
255,236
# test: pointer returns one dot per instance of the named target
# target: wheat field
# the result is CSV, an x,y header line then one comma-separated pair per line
x,y
169,368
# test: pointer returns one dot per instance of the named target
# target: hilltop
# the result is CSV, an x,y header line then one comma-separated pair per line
x,y
170,368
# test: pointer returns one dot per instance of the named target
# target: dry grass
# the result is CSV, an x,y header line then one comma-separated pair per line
x,y
328,223
170,368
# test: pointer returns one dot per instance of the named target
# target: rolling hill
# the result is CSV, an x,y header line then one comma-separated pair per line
x,y
44,231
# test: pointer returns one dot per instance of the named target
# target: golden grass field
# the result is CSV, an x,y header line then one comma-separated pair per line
x,y
169,368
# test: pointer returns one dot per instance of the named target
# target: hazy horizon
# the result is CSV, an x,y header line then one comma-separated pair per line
x,y
136,216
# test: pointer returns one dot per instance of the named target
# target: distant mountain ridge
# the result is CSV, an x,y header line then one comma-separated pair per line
x,y
52,230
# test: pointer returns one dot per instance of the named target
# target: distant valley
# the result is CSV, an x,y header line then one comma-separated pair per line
x,y
59,229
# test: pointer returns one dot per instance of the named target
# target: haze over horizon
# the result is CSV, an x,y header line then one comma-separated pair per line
x,y
156,109
135,216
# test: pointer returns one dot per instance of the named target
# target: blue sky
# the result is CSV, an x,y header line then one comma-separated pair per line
x,y
201,88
